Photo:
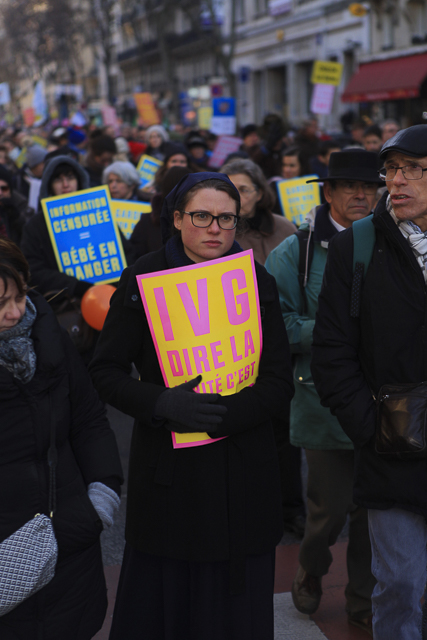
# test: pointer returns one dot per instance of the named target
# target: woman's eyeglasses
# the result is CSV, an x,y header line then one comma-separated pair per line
x,y
226,221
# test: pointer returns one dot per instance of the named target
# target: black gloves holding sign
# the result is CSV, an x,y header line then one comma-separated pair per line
x,y
187,411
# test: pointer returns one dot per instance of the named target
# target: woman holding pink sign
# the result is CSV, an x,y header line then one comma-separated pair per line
x,y
204,507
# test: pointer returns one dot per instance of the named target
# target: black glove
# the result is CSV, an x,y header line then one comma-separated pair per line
x,y
187,411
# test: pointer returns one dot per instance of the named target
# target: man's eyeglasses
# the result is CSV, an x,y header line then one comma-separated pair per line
x,y
368,188
226,221
410,172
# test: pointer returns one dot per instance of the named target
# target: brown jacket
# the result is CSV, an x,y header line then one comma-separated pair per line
x,y
271,232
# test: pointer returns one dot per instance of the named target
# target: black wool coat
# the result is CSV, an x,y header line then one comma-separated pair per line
x,y
204,503
353,357
72,606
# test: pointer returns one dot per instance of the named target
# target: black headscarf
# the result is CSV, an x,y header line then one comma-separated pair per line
x,y
186,183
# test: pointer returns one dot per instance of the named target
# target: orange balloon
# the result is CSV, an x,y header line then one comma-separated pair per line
x,y
95,304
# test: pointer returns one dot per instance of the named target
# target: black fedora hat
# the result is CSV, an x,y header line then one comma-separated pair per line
x,y
353,164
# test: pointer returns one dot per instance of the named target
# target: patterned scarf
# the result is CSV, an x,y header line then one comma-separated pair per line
x,y
17,353
416,238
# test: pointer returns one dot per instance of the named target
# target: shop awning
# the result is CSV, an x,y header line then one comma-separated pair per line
x,y
392,79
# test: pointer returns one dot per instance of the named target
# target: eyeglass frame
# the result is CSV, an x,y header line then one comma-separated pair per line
x,y
396,169
192,213
248,192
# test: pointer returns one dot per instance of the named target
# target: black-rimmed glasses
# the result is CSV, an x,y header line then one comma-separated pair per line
x,y
410,172
203,219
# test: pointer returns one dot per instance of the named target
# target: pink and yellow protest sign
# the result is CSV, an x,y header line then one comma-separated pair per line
x,y
205,319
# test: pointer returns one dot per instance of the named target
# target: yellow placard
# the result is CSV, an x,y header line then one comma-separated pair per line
x,y
42,142
22,158
204,320
204,117
127,214
297,198
146,109
325,72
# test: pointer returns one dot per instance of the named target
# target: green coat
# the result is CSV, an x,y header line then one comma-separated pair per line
x,y
311,426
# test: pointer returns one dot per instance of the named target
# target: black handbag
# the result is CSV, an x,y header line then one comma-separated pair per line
x,y
28,557
401,421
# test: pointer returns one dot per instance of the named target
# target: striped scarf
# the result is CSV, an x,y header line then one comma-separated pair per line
x,y
416,238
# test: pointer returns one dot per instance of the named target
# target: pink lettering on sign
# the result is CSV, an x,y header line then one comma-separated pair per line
x,y
201,357
249,343
232,301
199,320
236,356
175,363
216,353
159,294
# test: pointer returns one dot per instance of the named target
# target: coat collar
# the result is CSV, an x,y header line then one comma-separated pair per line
x,y
324,230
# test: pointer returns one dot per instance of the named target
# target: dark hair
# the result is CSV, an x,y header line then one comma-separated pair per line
x,y
217,185
373,130
327,145
303,159
63,168
255,174
13,264
102,143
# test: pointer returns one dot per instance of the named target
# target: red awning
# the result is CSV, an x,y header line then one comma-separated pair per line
x,y
392,79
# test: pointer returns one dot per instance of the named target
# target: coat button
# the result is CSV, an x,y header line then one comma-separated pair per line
x,y
300,378
134,297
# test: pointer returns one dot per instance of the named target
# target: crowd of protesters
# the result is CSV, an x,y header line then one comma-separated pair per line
x,y
202,523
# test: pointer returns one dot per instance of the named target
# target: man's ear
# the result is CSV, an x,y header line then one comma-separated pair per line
x,y
327,191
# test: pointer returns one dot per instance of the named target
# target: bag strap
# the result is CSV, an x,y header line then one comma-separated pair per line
x,y
363,248
306,251
52,459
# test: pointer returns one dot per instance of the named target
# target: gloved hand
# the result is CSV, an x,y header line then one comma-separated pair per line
x,y
187,411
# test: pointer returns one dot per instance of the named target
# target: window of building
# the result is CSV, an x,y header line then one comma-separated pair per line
x,y
388,30
239,11
261,7
417,18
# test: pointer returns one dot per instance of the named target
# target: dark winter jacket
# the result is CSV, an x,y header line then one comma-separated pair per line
x,y
60,391
14,213
199,503
354,357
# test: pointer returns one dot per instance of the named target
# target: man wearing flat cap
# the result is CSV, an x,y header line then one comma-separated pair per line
x,y
369,360
298,264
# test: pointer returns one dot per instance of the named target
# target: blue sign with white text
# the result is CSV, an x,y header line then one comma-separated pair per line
x,y
84,235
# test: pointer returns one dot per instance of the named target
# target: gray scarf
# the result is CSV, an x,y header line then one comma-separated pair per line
x,y
416,238
17,353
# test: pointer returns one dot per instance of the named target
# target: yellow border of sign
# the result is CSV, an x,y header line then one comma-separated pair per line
x,y
152,158
96,190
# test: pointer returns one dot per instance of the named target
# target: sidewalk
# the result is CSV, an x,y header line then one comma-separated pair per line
x,y
330,621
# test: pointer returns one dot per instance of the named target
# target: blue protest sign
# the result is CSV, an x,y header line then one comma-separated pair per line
x,y
147,169
224,116
84,235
